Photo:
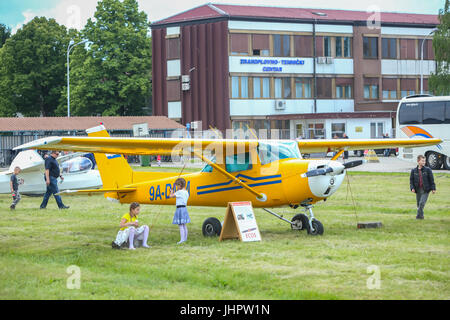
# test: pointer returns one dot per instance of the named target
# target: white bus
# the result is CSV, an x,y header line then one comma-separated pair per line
x,y
427,117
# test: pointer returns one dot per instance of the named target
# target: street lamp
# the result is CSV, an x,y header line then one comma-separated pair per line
x,y
69,48
421,59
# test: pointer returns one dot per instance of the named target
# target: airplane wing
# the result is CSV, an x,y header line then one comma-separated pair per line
x,y
141,146
167,146
327,145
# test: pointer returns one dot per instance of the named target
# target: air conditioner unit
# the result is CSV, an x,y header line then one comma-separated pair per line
x,y
330,60
321,60
280,105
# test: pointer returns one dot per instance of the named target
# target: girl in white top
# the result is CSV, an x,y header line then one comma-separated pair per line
x,y
181,216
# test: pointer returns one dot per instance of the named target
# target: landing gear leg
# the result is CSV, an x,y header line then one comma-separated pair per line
x,y
315,226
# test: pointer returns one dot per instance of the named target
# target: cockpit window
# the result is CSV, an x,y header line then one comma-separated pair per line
x,y
269,152
233,163
78,164
208,168
238,162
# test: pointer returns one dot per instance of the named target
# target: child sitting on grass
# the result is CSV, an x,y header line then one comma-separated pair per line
x,y
130,230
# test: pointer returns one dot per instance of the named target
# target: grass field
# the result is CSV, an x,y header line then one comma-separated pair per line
x,y
412,256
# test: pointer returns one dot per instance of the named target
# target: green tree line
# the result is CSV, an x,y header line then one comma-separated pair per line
x,y
109,74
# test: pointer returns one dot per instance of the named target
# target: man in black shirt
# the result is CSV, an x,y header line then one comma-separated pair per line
x,y
51,179
421,182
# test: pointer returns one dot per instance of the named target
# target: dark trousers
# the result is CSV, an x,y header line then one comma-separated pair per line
x,y
421,197
52,188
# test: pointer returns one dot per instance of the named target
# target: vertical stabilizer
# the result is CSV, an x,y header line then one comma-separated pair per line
x,y
114,168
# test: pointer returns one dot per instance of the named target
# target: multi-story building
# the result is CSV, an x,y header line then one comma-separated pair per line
x,y
310,73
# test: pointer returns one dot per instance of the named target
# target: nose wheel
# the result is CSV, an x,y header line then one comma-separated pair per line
x,y
302,221
311,224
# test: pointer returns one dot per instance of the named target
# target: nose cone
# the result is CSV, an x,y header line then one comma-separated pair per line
x,y
325,185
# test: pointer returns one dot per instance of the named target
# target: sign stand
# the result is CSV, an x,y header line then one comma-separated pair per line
x,y
240,223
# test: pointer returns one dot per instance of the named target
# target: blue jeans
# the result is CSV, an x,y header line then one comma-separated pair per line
x,y
52,188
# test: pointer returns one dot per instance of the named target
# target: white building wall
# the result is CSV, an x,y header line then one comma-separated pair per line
x,y
237,64
405,31
265,107
291,27
407,67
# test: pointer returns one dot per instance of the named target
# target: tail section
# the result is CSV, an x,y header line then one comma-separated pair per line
x,y
114,168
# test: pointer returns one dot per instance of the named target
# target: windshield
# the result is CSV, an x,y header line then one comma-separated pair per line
x,y
78,164
273,151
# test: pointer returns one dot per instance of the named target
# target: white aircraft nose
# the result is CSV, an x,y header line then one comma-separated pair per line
x,y
324,185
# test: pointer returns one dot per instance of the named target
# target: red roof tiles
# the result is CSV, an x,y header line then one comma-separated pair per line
x,y
218,10
82,123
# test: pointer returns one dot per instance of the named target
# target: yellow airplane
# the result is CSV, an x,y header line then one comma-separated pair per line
x,y
268,173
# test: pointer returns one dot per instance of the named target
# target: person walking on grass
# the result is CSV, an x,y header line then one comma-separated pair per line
x,y
52,173
130,229
14,184
421,182
181,216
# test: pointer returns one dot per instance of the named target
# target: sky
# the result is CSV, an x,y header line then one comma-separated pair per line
x,y
75,13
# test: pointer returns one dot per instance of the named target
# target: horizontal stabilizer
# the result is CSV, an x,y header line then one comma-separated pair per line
x,y
88,191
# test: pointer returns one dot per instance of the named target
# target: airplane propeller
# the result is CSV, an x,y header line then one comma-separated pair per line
x,y
332,169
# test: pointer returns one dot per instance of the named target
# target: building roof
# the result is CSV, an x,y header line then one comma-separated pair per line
x,y
211,11
83,123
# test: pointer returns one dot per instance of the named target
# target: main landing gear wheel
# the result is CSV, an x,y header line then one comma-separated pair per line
x,y
300,222
211,227
318,228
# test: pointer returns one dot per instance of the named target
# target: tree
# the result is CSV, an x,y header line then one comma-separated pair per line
x,y
112,76
32,69
439,82
5,33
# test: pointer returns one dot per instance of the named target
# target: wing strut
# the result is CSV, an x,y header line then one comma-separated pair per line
x,y
260,196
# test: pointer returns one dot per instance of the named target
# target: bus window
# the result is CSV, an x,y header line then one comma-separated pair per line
x,y
410,113
433,112
447,112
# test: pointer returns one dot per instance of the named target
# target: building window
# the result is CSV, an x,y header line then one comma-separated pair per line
x,y
407,87
370,92
370,47
327,46
316,131
324,88
389,48
376,130
303,46
389,88
260,45
278,87
261,88
337,130
239,87
281,45
344,91
343,47
282,88
239,44
303,87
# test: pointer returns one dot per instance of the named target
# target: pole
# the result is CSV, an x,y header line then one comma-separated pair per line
x,y
69,48
421,60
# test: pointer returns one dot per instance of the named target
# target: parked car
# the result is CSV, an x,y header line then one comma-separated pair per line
x,y
380,152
